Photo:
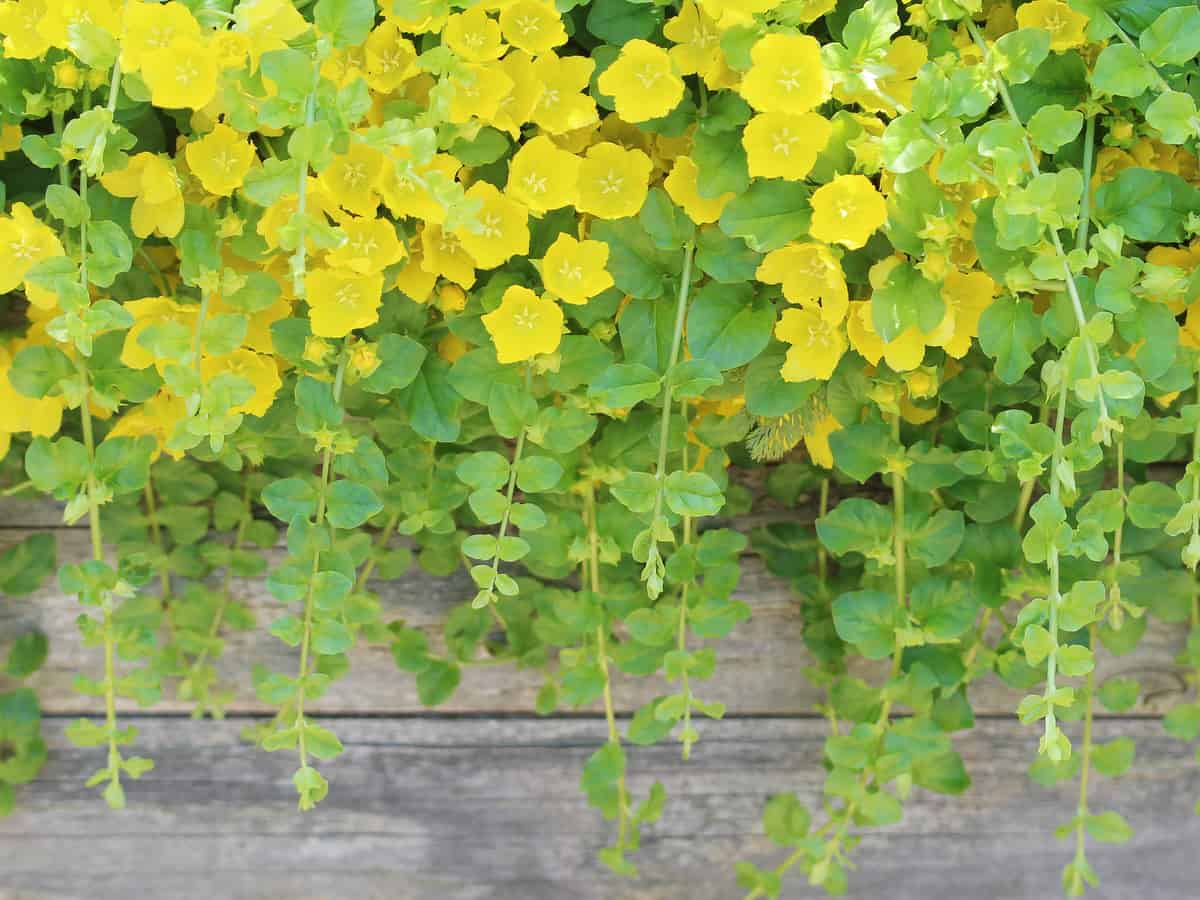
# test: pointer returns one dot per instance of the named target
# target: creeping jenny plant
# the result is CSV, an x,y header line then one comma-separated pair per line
x,y
532,289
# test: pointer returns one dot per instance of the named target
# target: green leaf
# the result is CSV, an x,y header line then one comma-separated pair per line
x,y
110,254
1009,332
27,654
538,473
350,504
1119,694
1173,38
1054,126
768,215
729,324
1019,53
867,619
938,538
290,497
1108,828
785,820
437,682
1114,758
331,637
1149,205
721,160
638,267
432,404
861,450
693,494
625,385
483,470
266,184
909,299
1119,71
945,609
1152,505
667,224
400,361
618,21
1173,113
857,525
38,370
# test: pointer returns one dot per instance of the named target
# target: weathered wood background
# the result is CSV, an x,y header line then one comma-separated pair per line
x,y
480,799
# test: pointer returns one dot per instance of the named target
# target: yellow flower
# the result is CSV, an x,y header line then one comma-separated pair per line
x,y
371,246
779,145
817,341
391,58
157,418
542,176
502,228
786,74
259,369
524,325
10,138
19,21
407,195
682,185
902,354
67,75
153,26
810,274
847,211
816,441
451,348
167,318
412,280
473,36
24,241
533,26
574,271
258,328
19,413
451,298
966,295
476,91
152,180
340,301
697,42
642,82
516,107
182,75
613,181
1066,27
561,107
220,159
268,24
442,253
728,13
279,214
352,178
61,18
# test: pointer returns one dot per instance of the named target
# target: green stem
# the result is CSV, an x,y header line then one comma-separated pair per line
x,y
385,535
1054,597
318,521
1028,487
681,629
1081,809
1085,199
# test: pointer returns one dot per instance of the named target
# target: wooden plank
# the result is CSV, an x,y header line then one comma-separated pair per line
x,y
759,669
464,808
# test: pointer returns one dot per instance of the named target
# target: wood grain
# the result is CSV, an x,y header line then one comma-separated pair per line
x,y
475,808
759,670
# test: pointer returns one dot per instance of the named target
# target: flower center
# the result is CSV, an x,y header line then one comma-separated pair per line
x,y
525,318
611,183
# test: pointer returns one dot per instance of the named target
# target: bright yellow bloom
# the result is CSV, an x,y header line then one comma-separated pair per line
x,y
60,18
473,36
158,418
340,301
779,145
220,159
902,354
269,24
476,91
524,325
966,295
561,107
574,271
153,26
816,441
182,75
1065,25
353,177
613,181
18,413
19,21
642,82
810,274
533,26
817,341
501,229
847,211
259,369
450,298
167,318
413,280
442,253
683,187
152,180
391,58
24,241
451,348
542,176
516,107
371,246
728,13
697,42
406,194
786,74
